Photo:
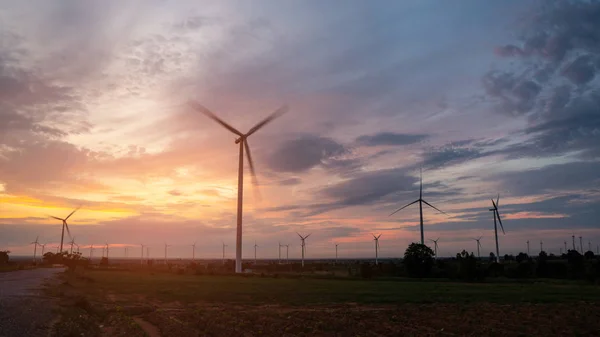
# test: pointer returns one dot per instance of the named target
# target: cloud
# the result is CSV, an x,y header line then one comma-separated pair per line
x,y
290,181
390,138
302,154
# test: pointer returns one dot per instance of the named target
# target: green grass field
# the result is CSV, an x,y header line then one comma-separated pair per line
x,y
258,290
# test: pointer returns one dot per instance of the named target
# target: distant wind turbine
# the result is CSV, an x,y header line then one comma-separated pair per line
x,y
376,239
541,246
106,250
581,244
566,247
479,246
72,243
142,256
303,239
56,249
35,244
589,246
421,202
91,251
528,253
166,246
194,251
497,215
287,254
435,243
279,243
224,245
573,236
64,224
336,252
243,141
255,246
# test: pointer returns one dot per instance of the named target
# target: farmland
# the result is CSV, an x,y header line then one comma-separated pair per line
x,y
170,304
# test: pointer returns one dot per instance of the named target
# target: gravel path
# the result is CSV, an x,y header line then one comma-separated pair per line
x,y
24,311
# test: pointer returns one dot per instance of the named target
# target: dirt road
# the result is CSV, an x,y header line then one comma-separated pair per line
x,y
23,310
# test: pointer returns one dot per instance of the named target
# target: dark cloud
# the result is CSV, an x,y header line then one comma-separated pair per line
x,y
447,156
514,95
581,70
304,153
390,138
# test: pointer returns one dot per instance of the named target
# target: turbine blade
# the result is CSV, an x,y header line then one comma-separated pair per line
x,y
500,221
401,208
67,227
307,236
75,210
57,218
430,205
298,235
252,171
214,117
498,200
283,109
421,184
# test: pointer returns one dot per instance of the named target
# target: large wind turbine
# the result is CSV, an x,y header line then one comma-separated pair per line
x,y
478,246
243,141
421,202
376,239
497,215
303,239
72,243
64,224
35,244
435,243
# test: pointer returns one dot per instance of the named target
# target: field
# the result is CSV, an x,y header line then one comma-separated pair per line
x,y
187,305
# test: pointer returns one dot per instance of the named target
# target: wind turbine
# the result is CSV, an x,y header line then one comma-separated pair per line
x,y
223,259
76,245
125,251
566,247
35,244
64,224
421,202
336,253
479,246
303,238
287,254
194,251
166,246
528,253
255,246
72,243
589,246
581,244
541,246
435,243
497,215
243,141
279,261
43,248
106,250
573,236
142,256
91,250
56,249
376,239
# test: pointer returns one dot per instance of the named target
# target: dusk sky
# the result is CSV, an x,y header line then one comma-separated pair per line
x,y
487,97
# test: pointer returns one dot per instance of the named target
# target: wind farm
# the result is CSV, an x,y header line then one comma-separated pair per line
x,y
383,134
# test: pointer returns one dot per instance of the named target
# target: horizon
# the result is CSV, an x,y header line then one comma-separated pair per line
x,y
98,118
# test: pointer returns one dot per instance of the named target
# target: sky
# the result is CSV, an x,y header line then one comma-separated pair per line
x,y
487,98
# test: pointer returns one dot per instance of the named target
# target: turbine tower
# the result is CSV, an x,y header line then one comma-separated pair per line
x,y
566,251
336,253
107,251
64,224
279,261
43,248
541,246
589,246
528,253
573,236
91,250
243,141
142,256
421,202
194,251
35,244
435,244
581,244
166,246
255,246
303,239
376,239
497,215
223,258
478,246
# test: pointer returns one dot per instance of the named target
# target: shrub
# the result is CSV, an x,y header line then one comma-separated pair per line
x,y
418,260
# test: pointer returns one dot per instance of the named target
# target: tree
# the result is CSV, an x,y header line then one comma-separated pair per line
x,y
4,257
492,256
589,255
418,260
467,266
522,257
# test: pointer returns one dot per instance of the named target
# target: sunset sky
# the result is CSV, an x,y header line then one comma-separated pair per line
x,y
483,95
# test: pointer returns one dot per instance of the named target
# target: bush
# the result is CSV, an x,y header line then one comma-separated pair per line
x,y
4,257
366,271
418,260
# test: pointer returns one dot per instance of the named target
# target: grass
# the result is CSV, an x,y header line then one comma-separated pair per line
x,y
258,290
